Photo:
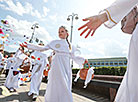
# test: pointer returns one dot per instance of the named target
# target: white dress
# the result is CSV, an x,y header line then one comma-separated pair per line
x,y
37,72
128,90
11,80
88,77
60,75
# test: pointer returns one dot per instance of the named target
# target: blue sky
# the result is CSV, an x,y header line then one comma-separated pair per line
x,y
51,14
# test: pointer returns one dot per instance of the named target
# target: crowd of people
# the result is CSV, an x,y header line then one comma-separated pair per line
x,y
60,75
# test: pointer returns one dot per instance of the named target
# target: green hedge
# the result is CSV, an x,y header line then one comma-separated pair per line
x,y
119,71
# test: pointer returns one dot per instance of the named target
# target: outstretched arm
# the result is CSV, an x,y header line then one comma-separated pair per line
x,y
113,14
35,47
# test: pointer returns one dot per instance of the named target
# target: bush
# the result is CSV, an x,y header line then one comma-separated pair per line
x,y
119,71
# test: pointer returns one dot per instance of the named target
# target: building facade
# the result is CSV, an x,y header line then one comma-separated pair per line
x,y
109,62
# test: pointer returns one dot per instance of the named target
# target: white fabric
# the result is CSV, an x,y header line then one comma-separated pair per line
x,y
37,72
60,75
118,10
9,62
21,76
11,80
128,90
77,76
89,76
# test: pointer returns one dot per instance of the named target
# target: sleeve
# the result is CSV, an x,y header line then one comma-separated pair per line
x,y
117,11
79,60
37,47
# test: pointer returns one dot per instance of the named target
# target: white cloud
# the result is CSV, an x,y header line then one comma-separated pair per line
x,y
23,27
103,48
17,8
53,18
20,9
45,0
36,14
45,10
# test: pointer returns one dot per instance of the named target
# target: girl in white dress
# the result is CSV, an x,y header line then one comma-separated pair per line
x,y
60,75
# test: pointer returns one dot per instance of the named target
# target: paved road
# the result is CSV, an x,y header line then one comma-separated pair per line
x,y
21,94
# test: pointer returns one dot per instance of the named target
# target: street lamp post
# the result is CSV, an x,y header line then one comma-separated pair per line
x,y
68,19
33,28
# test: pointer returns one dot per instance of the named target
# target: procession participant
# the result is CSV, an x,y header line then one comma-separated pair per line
x,y
89,76
60,75
26,67
9,62
13,76
90,73
37,73
128,90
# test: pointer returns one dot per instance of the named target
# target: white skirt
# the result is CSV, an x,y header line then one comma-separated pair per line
x,y
59,80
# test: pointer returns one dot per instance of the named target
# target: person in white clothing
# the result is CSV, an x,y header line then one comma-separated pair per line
x,y
88,77
128,90
37,73
60,74
13,76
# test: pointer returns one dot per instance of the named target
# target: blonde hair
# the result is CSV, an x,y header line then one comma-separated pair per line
x,y
67,36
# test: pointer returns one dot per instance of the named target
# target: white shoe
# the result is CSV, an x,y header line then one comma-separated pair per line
x,y
84,86
11,90
29,93
34,97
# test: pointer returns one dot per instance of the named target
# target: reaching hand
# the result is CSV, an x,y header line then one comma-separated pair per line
x,y
24,45
93,23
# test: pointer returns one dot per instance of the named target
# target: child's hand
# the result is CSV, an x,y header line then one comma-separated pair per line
x,y
24,45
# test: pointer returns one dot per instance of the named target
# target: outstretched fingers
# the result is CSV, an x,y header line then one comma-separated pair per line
x,y
25,42
88,33
24,45
82,26
21,45
86,19
83,31
93,33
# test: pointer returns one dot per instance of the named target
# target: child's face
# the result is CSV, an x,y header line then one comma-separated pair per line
x,y
62,33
